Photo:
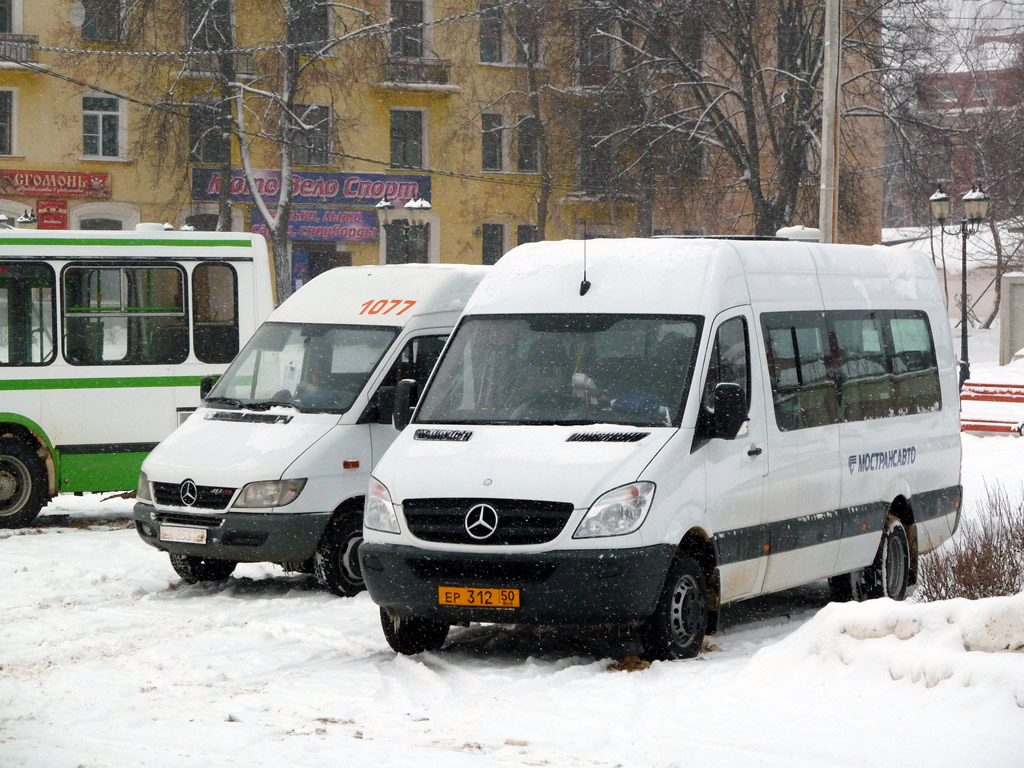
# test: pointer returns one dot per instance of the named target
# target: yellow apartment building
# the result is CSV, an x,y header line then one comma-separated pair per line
x,y
107,119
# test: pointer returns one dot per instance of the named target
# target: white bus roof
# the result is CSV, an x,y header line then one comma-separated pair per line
x,y
700,276
63,243
381,295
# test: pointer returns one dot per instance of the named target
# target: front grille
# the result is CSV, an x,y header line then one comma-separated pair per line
x,y
503,571
519,521
207,496
174,518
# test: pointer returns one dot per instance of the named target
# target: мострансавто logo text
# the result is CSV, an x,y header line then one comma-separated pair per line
x,y
869,462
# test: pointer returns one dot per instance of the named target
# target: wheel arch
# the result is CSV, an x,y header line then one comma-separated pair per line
x,y
902,511
26,430
697,544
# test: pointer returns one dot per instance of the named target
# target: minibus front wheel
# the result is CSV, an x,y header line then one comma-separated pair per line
x,y
194,570
336,561
410,634
679,623
22,483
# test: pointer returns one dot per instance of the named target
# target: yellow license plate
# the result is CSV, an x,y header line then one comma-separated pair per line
x,y
474,597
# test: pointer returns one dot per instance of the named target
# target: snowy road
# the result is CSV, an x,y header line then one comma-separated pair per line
x,y
108,661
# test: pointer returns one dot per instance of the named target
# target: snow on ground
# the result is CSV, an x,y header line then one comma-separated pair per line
x,y
108,661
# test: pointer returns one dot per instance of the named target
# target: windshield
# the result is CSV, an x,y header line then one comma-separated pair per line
x,y
564,369
315,368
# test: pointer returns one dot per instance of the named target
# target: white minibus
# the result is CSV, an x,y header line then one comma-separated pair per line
x,y
104,339
273,466
640,431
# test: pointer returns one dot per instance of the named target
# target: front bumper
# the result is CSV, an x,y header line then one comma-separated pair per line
x,y
562,587
243,537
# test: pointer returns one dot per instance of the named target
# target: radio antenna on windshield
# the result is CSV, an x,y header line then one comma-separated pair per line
x,y
585,285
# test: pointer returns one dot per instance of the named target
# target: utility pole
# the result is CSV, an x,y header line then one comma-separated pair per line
x,y
828,199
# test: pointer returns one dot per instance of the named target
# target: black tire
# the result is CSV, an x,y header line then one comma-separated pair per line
x,y
889,575
336,562
22,483
842,588
409,635
194,569
679,623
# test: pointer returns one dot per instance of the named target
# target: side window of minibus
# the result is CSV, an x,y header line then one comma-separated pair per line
x,y
801,369
915,373
730,361
416,361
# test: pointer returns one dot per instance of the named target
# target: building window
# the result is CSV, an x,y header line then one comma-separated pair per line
x,y
407,28
407,244
102,21
594,48
407,138
494,243
101,126
313,143
527,145
311,24
493,137
526,233
100,223
6,16
203,222
491,33
985,92
945,93
6,122
208,25
597,160
206,140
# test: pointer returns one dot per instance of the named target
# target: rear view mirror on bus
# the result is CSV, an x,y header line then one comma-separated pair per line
x,y
730,410
405,399
205,385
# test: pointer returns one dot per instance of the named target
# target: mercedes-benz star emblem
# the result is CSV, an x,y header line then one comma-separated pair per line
x,y
481,521
188,493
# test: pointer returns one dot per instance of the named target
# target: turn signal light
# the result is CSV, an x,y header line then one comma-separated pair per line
x,y
350,464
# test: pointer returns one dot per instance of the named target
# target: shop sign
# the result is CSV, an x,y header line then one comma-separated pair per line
x,y
330,224
63,183
53,214
315,187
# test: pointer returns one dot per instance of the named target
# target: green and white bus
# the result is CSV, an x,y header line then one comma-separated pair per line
x,y
104,339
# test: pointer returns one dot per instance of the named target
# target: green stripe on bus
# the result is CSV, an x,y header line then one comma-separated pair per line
x,y
126,242
101,383
94,473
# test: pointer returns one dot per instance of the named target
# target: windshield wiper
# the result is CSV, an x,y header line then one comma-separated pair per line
x,y
266,405
232,401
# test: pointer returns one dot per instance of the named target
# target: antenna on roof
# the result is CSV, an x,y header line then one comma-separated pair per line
x,y
585,285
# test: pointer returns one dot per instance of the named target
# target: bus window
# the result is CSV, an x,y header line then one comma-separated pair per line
x,y
26,314
215,313
131,315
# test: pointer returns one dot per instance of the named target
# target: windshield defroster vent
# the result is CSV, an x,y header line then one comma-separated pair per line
x,y
450,435
249,417
606,437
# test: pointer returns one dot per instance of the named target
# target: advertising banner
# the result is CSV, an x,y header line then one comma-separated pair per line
x,y
315,187
55,183
331,224
53,214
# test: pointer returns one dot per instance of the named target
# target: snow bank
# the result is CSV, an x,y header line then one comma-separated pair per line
x,y
962,643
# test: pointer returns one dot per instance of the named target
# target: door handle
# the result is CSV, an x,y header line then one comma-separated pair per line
x,y
754,450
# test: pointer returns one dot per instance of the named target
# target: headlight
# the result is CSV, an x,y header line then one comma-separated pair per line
x,y
143,493
380,512
618,512
270,493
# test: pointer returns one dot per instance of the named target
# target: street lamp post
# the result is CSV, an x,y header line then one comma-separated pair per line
x,y
975,209
415,213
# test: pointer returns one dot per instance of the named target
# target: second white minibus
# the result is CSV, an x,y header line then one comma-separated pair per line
x,y
639,431
273,466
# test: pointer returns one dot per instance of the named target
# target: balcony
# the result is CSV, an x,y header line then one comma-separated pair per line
x,y
13,50
418,74
206,64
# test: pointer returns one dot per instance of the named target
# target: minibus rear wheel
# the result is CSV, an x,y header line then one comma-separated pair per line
x,y
677,627
889,574
22,483
336,562
409,635
194,570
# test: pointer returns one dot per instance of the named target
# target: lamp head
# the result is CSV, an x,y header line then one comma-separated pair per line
x,y
940,204
976,204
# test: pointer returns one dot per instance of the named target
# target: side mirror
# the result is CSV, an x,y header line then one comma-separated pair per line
x,y
730,411
385,402
205,385
405,399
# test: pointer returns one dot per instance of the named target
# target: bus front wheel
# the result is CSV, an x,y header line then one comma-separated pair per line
x,y
336,561
22,483
194,570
